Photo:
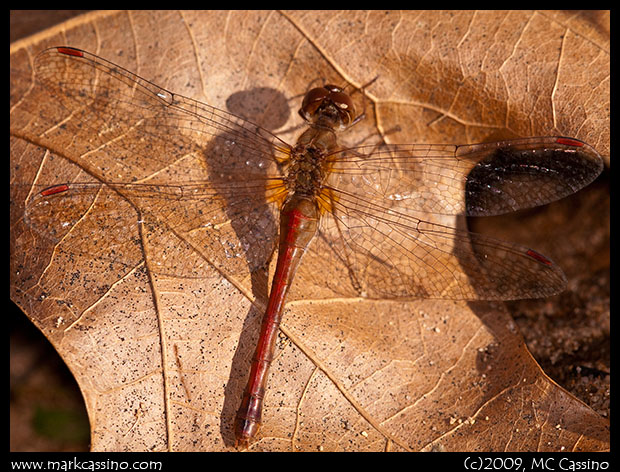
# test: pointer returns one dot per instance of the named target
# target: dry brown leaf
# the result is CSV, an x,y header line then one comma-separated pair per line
x,y
162,359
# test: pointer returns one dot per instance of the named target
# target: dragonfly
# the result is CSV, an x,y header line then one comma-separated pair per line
x,y
240,194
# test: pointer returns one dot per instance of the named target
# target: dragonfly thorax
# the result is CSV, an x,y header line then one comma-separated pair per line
x,y
306,173
308,167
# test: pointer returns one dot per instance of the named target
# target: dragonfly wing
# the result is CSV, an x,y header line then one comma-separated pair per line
x,y
207,175
120,123
387,254
474,180
235,234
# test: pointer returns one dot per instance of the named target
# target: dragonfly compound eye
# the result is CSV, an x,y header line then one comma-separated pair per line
x,y
312,101
345,106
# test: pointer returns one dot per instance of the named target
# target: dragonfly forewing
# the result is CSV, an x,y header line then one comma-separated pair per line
x,y
473,180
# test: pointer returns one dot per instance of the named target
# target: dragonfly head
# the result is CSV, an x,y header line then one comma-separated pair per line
x,y
328,105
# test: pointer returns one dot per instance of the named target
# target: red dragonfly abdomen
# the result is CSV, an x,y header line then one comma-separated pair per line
x,y
298,225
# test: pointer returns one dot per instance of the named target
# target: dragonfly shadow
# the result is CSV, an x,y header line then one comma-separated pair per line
x,y
252,218
502,270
